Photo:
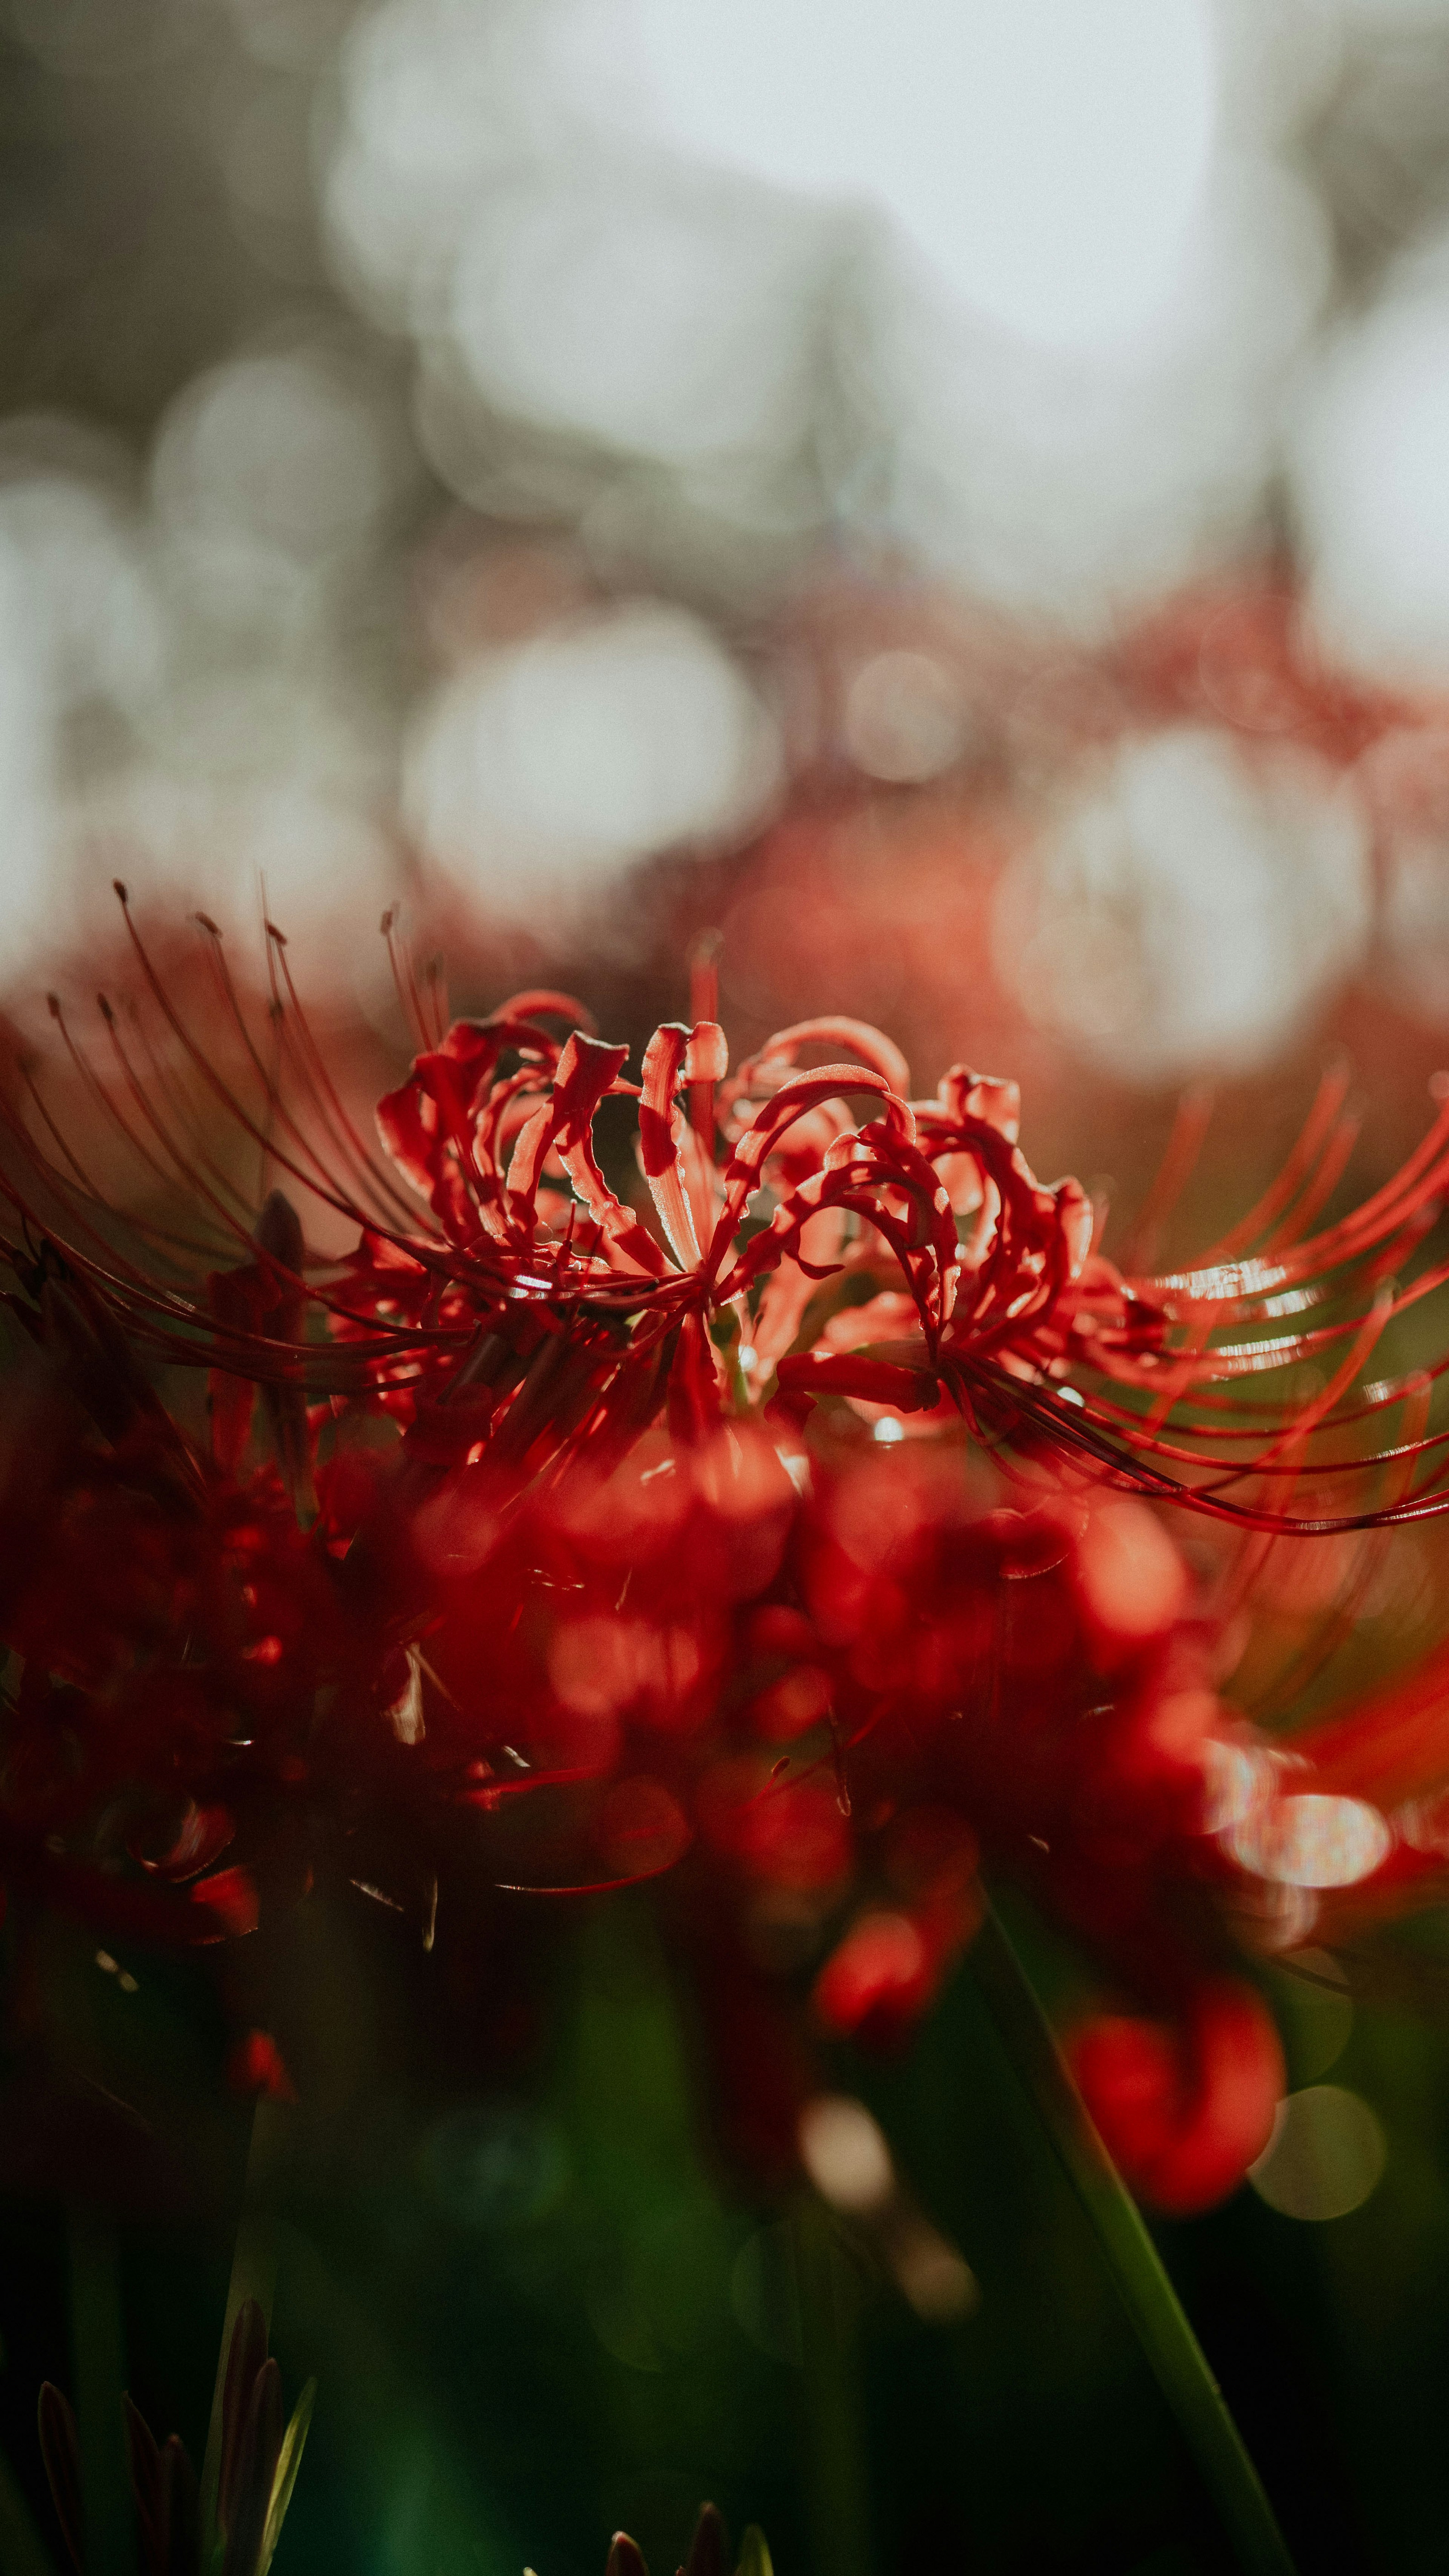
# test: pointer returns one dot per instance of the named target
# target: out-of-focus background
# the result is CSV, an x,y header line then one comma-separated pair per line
x,y
949,493
953,495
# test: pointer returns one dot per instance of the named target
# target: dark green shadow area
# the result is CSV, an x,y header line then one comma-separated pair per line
x,y
540,2304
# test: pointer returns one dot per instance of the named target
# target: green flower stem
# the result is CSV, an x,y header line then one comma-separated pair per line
x,y
253,2276
1177,2360
98,2350
838,2503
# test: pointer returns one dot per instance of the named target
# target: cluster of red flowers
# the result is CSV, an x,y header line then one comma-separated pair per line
x,y
786,1522
187,1672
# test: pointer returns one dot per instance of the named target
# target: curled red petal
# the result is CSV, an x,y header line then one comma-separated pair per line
x,y
908,1390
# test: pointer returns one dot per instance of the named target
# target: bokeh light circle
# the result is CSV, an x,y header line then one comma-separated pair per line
x,y
584,747
1046,158
1326,2155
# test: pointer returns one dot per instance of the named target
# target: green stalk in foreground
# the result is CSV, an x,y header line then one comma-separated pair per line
x,y
1177,2359
98,2342
253,2276
839,2506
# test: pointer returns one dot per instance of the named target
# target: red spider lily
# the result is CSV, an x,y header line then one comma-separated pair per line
x,y
822,1705
637,1587
511,1303
819,1689
819,1698
193,1682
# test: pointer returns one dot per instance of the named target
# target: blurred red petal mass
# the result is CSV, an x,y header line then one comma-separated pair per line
x,y
783,1519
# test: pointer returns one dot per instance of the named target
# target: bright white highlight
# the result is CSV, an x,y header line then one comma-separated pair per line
x,y
1188,908
1045,156
80,628
586,747
1313,1841
998,244
266,470
845,2154
1371,487
1234,1779
669,323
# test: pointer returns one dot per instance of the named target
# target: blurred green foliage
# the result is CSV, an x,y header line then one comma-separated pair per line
x,y
543,2307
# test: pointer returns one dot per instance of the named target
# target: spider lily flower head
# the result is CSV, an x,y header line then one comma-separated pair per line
x,y
642,1589
802,1239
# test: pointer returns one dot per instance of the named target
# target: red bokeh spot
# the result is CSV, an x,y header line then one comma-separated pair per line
x,y
878,1979
255,2065
230,1896
640,1829
1185,2111
1130,1580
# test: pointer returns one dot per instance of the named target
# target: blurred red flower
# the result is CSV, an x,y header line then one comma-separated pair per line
x,y
777,1523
